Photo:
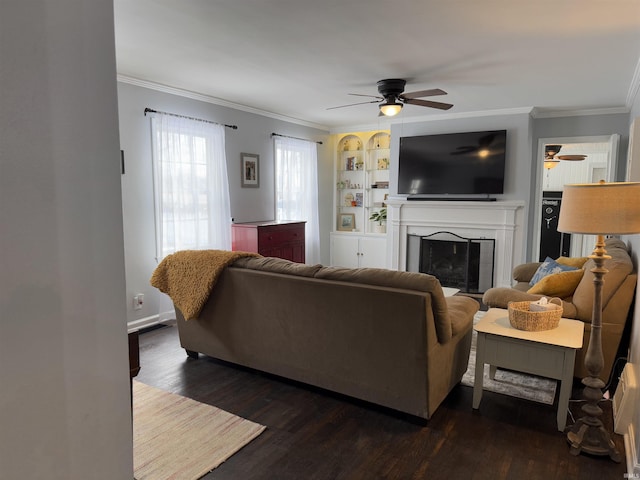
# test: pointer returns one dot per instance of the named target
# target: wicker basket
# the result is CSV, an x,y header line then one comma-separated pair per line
x,y
522,318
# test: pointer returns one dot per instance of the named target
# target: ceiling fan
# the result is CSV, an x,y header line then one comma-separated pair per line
x,y
392,97
551,154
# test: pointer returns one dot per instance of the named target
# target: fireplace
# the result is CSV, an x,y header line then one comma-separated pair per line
x,y
457,262
502,221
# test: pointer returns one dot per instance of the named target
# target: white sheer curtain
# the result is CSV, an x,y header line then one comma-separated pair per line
x,y
190,184
297,189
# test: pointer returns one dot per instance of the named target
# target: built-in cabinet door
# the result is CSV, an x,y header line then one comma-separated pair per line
x,y
344,251
353,251
373,252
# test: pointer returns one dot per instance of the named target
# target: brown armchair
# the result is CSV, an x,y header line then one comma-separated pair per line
x,y
617,297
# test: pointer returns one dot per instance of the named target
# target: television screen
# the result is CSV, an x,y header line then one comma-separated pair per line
x,y
452,164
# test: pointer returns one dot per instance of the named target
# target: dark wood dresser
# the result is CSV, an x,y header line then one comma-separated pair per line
x,y
282,239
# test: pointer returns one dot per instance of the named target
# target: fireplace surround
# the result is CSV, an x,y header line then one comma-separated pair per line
x,y
501,221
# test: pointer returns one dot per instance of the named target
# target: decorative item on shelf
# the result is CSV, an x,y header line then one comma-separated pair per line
x,y
346,222
340,185
358,199
348,200
382,184
597,209
383,163
380,217
350,163
359,164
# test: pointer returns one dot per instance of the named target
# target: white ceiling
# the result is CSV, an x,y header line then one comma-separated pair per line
x,y
296,58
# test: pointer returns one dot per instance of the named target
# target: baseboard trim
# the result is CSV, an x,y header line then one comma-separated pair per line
x,y
150,321
630,446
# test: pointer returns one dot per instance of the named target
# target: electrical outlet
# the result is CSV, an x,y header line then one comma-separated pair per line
x,y
138,300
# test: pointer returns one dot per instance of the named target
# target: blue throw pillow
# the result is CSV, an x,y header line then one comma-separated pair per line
x,y
548,267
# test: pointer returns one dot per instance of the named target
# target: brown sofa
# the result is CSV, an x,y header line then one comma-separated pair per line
x,y
618,292
386,337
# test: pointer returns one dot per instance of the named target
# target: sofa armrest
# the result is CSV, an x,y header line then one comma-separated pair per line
x,y
525,271
500,297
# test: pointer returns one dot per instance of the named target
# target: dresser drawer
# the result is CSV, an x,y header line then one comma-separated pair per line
x,y
268,237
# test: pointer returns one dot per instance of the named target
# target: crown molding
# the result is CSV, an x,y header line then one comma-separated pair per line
x,y
544,113
431,118
214,100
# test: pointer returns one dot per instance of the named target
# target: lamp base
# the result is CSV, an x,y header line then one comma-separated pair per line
x,y
588,434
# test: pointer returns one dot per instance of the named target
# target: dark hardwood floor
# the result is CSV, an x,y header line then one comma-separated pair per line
x,y
313,434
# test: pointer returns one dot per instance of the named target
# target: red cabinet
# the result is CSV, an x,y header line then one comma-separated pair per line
x,y
282,239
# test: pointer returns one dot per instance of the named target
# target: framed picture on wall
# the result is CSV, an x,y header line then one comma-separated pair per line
x,y
250,164
346,222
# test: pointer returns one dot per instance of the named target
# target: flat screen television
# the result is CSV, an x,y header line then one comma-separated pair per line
x,y
470,163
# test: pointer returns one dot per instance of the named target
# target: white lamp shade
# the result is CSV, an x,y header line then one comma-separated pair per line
x,y
600,208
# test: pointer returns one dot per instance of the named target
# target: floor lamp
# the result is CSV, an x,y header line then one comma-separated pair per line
x,y
597,209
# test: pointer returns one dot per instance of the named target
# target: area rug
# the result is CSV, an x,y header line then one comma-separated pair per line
x,y
177,438
521,385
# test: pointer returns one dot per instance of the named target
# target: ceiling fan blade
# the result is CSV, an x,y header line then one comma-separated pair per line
x,y
353,104
428,103
571,157
424,93
363,95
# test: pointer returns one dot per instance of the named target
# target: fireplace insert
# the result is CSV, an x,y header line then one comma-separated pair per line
x,y
457,262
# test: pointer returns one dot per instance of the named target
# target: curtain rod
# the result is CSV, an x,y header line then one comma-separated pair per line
x,y
148,110
296,138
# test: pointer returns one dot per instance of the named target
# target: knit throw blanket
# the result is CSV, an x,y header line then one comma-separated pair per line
x,y
188,276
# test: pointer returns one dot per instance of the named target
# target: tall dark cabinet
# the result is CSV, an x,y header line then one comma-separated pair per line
x,y
552,242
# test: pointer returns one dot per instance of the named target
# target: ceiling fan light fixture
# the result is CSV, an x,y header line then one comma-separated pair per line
x,y
549,164
390,108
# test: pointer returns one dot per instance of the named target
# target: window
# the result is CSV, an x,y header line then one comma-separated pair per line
x,y
297,189
191,186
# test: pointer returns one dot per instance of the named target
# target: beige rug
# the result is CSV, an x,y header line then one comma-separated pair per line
x,y
521,385
177,438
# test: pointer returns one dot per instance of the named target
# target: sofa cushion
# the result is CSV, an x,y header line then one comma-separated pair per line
x,y
278,265
619,266
523,273
548,267
396,279
559,285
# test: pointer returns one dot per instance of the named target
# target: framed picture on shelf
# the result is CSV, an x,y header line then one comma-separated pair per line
x,y
351,163
250,170
346,222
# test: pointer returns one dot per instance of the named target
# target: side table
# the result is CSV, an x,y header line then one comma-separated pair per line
x,y
550,353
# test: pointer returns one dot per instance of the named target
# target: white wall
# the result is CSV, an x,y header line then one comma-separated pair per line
x,y
632,439
247,204
63,345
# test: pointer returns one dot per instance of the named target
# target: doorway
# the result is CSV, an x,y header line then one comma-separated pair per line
x,y
600,163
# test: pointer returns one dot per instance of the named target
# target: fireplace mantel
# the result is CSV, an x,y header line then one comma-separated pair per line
x,y
502,221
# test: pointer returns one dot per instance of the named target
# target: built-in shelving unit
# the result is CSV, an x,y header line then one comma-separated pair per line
x,y
361,189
